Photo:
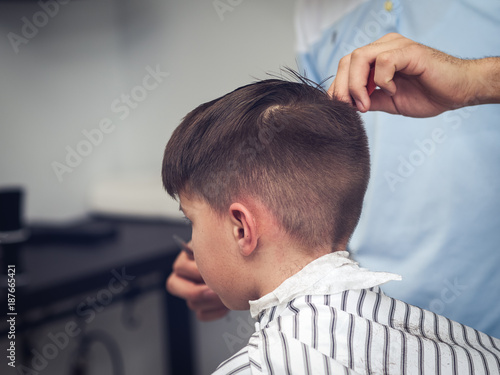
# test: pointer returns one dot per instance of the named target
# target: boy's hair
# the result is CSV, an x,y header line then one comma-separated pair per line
x,y
286,144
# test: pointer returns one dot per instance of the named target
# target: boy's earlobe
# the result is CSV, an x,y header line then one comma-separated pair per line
x,y
244,228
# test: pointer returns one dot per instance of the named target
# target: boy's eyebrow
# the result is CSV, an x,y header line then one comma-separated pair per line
x,y
181,209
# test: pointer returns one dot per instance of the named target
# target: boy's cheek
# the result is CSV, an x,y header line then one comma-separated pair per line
x,y
207,274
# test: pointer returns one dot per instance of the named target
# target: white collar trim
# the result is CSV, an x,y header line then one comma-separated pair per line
x,y
330,274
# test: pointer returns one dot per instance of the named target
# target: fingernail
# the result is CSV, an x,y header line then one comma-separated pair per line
x,y
360,105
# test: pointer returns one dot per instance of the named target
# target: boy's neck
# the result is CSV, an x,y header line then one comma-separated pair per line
x,y
276,257
280,262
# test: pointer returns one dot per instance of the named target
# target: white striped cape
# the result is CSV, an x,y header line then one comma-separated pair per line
x,y
361,332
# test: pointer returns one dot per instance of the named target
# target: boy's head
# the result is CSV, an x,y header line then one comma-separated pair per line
x,y
283,147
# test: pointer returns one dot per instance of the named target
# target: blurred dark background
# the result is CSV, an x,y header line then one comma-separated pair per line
x,y
90,93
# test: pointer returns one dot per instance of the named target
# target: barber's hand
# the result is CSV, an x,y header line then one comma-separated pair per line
x,y
186,282
415,80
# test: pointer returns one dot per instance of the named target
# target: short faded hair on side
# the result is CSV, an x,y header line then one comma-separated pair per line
x,y
288,144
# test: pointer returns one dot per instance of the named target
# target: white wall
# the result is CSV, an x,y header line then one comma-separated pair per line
x,y
65,78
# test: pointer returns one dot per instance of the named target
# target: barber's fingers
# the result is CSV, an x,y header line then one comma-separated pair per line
x,y
380,101
353,77
185,288
357,80
339,89
396,56
404,60
344,84
205,299
186,267
209,315
186,282
210,307
387,55
382,60
199,298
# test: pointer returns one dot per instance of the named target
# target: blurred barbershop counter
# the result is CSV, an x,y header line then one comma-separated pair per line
x,y
89,295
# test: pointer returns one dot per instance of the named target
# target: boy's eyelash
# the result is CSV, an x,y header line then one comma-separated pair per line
x,y
187,221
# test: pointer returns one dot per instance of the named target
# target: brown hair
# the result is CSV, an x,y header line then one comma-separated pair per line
x,y
287,144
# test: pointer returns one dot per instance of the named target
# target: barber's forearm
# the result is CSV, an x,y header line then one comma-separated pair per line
x,y
485,79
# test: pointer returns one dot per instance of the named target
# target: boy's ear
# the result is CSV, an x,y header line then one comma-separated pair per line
x,y
244,228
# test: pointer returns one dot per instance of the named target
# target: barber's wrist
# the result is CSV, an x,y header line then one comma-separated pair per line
x,y
485,80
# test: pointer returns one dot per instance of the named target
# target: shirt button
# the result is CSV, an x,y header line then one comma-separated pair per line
x,y
388,5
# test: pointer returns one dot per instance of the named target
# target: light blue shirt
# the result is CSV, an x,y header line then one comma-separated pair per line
x,y
432,209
